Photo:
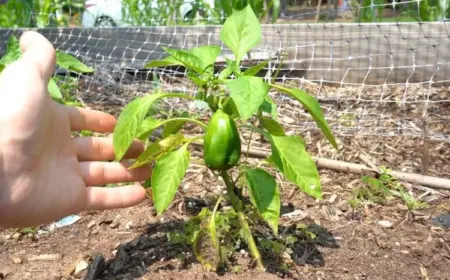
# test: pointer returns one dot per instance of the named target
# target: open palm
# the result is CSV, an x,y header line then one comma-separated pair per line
x,y
45,173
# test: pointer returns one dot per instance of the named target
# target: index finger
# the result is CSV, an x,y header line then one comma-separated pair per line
x,y
92,120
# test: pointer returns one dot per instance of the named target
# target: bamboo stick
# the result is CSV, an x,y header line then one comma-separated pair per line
x,y
354,168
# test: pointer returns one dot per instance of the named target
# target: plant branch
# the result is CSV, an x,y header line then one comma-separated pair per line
x,y
189,120
237,206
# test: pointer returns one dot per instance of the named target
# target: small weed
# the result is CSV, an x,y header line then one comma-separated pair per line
x,y
382,189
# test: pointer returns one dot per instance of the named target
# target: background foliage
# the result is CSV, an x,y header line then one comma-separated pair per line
x,y
54,13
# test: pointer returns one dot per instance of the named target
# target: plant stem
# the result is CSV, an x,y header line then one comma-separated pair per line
x,y
237,206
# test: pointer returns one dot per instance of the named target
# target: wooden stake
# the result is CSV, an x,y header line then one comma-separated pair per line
x,y
354,168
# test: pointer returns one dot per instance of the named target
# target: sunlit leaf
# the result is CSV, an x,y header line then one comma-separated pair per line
x,y
130,121
272,126
255,69
296,164
248,94
70,62
241,32
167,176
265,195
313,107
158,148
53,89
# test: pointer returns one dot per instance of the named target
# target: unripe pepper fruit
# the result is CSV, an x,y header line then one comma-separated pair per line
x,y
222,144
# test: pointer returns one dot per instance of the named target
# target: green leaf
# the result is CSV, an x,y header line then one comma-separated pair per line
x,y
208,73
195,79
167,176
13,51
255,69
274,158
53,89
167,61
70,62
147,127
269,107
130,121
227,7
2,66
196,59
248,94
230,108
275,10
313,107
175,126
296,164
272,126
241,32
263,190
208,54
231,68
171,125
158,148
187,59
226,72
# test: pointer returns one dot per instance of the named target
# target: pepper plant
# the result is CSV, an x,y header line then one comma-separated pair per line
x,y
238,100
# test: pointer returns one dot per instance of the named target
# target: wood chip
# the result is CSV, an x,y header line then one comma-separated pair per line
x,y
332,198
424,272
91,224
47,257
16,260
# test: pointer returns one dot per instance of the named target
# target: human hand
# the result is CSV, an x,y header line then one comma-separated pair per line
x,y
45,174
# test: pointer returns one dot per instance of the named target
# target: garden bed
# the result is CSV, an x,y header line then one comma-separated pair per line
x,y
371,241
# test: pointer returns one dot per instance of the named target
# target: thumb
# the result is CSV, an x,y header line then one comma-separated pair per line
x,y
23,84
39,52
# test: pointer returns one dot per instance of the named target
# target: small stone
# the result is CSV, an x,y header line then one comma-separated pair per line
x,y
288,120
140,271
16,236
385,224
129,225
116,266
115,223
80,269
91,224
405,252
16,260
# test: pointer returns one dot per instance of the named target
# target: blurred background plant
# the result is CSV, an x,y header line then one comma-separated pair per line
x,y
40,13
63,13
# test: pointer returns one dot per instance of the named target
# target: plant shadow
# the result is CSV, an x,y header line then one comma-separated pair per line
x,y
152,250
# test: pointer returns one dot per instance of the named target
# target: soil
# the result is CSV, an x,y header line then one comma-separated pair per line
x,y
372,242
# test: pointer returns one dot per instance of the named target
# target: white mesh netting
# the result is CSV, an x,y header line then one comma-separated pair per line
x,y
384,78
